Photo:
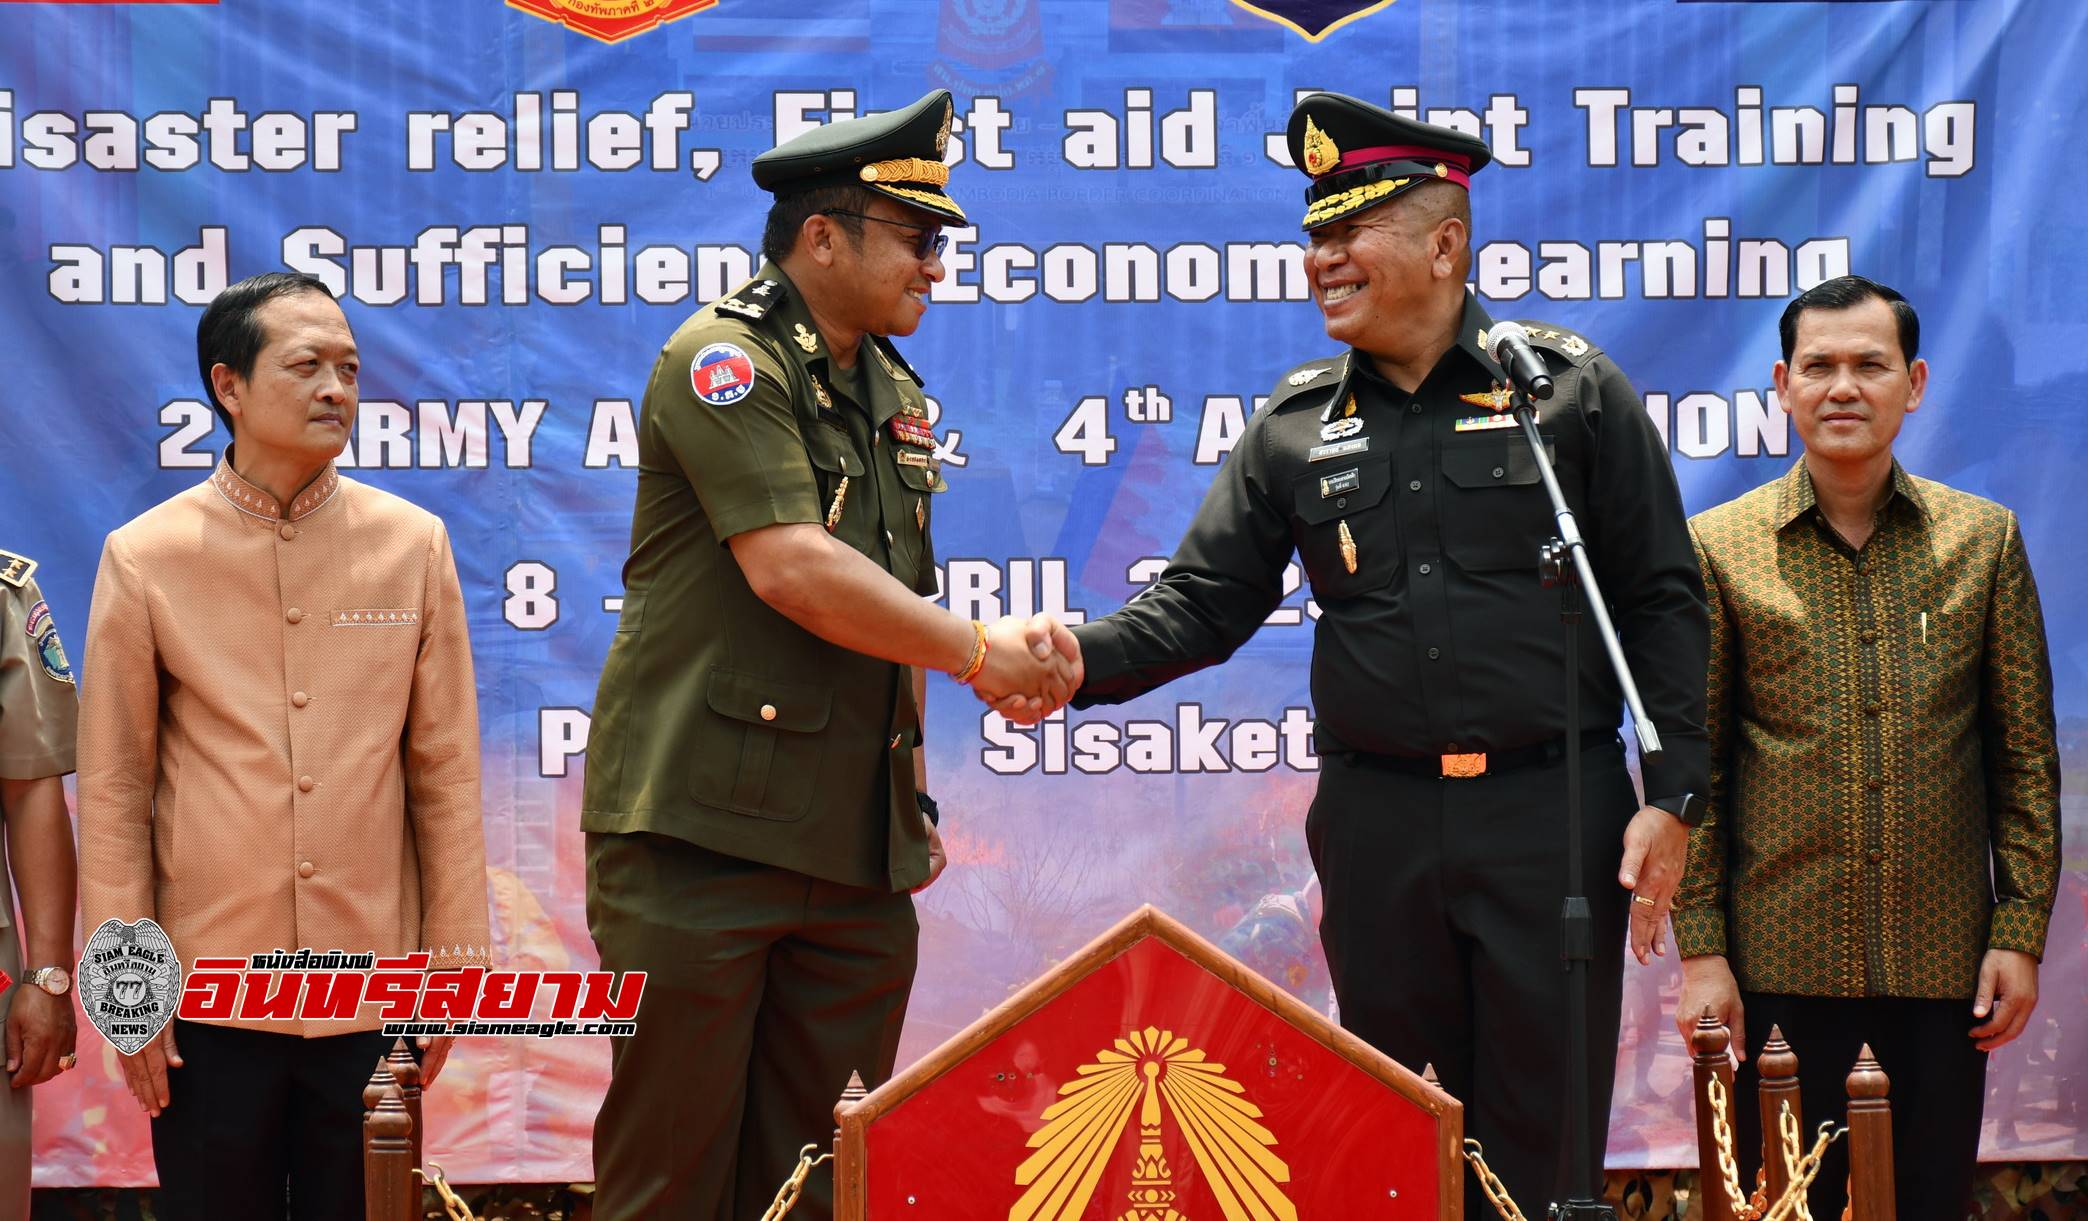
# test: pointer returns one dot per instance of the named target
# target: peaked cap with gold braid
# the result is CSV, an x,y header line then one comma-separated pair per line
x,y
1359,155
899,155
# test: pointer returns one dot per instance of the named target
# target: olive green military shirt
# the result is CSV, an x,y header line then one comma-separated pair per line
x,y
718,720
38,707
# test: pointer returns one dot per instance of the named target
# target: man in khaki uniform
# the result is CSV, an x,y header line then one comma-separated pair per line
x,y
278,750
753,804
37,715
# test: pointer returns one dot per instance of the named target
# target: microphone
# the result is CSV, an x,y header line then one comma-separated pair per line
x,y
1509,344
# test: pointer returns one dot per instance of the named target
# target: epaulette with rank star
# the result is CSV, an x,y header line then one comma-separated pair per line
x,y
1574,348
1308,381
15,569
754,299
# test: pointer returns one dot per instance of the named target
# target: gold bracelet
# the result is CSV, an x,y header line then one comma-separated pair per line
x,y
977,661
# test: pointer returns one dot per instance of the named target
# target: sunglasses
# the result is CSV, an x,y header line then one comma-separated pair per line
x,y
932,240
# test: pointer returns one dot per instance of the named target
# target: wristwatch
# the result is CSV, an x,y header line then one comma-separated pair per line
x,y
53,980
1688,808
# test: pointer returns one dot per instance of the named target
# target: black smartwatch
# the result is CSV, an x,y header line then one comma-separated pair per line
x,y
1688,809
927,805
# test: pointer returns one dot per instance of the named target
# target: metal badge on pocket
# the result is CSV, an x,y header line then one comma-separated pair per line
x,y
1344,481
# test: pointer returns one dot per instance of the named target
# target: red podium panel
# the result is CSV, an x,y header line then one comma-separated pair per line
x,y
1151,1078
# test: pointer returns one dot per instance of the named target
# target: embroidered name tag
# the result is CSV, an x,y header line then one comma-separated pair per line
x,y
1346,481
375,618
1320,453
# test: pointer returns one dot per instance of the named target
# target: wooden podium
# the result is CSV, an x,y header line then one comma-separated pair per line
x,y
1151,1077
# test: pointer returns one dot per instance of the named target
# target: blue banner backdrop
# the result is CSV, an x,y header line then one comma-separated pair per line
x,y
517,215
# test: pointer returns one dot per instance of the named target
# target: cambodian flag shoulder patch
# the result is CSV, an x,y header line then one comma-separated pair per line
x,y
721,374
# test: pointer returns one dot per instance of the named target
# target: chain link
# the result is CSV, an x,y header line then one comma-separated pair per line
x,y
453,1206
1802,1170
1728,1165
787,1195
1490,1183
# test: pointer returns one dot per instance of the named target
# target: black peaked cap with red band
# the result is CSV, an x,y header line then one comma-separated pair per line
x,y
1359,155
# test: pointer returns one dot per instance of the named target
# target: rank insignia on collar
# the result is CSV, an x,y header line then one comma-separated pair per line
x,y
819,391
764,288
1500,398
1346,427
1305,375
804,338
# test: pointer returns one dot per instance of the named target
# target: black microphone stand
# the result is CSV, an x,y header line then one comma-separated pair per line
x,y
1563,562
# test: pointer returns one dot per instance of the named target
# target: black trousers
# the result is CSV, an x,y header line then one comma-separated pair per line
x,y
765,989
263,1126
1441,929
1938,1090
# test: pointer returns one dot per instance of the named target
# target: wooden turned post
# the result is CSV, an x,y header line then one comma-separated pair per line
x,y
1870,1141
1707,1045
389,1193
1778,1087
407,1071
849,1203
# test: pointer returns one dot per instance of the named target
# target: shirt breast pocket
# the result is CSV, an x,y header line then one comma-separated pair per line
x,y
1494,510
1346,531
762,750
379,644
834,458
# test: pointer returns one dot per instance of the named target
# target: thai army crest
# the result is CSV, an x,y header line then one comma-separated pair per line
x,y
130,982
1315,19
1169,1084
612,20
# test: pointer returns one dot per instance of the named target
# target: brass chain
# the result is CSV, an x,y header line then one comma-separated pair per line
x,y
787,1195
453,1206
1490,1183
1802,1170
1728,1164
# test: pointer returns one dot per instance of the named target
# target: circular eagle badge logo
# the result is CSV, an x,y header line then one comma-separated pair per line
x,y
130,982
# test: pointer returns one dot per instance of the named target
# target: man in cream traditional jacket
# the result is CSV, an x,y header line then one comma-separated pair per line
x,y
278,750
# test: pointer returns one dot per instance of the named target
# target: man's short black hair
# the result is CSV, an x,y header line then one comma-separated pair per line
x,y
790,212
1846,292
229,334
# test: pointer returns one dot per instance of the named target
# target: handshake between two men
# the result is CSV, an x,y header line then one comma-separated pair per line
x,y
1027,668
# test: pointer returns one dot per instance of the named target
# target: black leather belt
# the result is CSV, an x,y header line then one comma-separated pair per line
x,y
1487,763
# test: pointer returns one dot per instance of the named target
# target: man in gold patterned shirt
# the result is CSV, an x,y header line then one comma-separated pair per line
x,y
1880,853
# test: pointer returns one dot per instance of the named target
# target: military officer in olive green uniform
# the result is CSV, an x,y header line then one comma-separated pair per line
x,y
1395,473
753,806
38,712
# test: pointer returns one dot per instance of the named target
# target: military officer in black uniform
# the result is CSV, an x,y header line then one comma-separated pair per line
x,y
1394,470
753,804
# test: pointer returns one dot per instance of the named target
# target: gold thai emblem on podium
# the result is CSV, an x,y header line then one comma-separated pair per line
x,y
1168,1083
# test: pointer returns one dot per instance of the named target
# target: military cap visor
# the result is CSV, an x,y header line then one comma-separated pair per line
x,y
898,155
1359,155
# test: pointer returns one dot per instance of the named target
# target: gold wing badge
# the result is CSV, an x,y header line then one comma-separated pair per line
x,y
1149,1070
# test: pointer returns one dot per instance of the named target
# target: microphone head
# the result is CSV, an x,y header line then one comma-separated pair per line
x,y
1498,336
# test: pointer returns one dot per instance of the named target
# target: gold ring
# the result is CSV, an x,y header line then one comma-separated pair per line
x,y
66,1061
1643,899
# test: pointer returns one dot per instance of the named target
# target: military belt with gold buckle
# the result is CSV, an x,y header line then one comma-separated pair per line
x,y
1472,765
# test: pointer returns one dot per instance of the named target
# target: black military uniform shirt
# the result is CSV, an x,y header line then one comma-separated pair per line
x,y
1418,519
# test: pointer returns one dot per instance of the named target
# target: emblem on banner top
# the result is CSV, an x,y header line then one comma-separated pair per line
x,y
1167,1083
1312,19
612,20
130,982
